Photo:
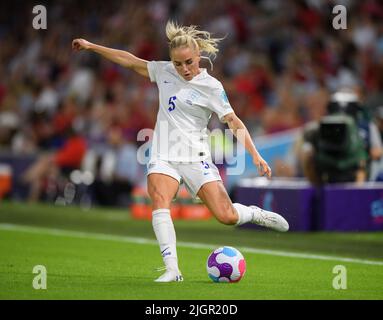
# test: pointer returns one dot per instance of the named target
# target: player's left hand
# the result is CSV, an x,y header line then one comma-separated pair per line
x,y
262,166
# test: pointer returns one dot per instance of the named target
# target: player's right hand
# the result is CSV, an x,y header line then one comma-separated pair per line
x,y
80,44
262,166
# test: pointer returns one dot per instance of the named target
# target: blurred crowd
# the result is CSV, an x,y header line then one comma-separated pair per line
x,y
279,63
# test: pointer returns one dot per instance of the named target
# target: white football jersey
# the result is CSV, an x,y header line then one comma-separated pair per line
x,y
185,108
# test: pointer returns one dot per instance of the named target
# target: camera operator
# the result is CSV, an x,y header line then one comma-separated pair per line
x,y
341,147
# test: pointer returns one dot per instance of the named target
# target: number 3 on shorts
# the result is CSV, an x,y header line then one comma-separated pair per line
x,y
172,105
205,165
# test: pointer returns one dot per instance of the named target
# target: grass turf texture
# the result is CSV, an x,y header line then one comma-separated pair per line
x,y
84,266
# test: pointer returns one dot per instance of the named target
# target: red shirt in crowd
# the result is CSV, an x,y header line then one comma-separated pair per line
x,y
71,153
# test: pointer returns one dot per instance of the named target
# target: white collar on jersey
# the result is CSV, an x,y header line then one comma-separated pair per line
x,y
202,75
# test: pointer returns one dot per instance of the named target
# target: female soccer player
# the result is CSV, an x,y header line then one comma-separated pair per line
x,y
187,97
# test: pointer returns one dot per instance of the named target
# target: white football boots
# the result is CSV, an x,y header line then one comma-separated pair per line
x,y
170,276
269,219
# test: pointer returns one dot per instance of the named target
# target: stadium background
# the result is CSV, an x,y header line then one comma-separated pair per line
x,y
279,63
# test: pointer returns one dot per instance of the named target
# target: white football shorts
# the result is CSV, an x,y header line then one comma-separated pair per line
x,y
193,175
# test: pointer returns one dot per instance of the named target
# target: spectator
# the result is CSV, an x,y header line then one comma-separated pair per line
x,y
117,171
51,165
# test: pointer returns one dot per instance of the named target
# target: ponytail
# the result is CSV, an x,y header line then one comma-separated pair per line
x,y
189,36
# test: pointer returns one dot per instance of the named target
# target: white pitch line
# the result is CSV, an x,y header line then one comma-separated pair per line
x,y
138,240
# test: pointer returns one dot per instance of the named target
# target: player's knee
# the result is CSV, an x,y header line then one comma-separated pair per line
x,y
159,200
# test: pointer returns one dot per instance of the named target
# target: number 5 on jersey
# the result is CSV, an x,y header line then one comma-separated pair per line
x,y
172,105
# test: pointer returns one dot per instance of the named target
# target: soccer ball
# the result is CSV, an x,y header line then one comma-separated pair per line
x,y
226,264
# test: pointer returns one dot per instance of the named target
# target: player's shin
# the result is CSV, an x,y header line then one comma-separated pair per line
x,y
166,236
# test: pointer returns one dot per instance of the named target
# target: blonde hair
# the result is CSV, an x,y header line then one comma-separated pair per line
x,y
191,37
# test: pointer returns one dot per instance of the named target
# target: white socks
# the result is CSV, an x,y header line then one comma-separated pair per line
x,y
244,213
166,236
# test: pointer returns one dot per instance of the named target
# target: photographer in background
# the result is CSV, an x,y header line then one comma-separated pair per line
x,y
341,147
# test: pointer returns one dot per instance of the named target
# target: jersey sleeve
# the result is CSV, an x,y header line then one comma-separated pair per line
x,y
219,103
155,68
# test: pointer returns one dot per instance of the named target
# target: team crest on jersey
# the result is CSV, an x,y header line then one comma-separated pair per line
x,y
192,97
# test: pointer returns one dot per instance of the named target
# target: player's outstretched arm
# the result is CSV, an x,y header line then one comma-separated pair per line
x,y
121,57
240,131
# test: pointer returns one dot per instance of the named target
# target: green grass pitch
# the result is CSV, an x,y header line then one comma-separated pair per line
x,y
104,254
